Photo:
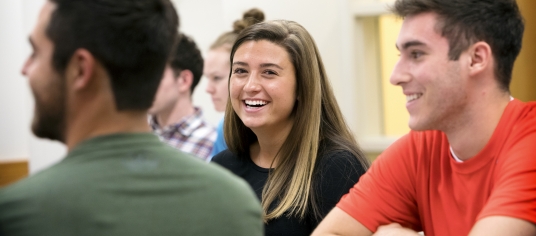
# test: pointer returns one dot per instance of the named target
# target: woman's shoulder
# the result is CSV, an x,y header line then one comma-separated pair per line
x,y
230,161
339,156
337,171
225,156
340,161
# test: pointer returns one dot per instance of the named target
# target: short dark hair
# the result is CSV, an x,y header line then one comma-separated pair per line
x,y
187,56
464,22
131,38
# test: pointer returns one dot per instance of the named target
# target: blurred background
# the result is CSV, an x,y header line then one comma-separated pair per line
x,y
356,39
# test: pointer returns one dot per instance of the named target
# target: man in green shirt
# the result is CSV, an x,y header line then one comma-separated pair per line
x,y
94,71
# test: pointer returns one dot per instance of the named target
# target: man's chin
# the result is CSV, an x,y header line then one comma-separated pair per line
x,y
156,109
47,130
415,125
151,111
420,127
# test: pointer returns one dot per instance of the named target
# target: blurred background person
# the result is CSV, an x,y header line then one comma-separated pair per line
x,y
218,66
173,116
93,74
286,134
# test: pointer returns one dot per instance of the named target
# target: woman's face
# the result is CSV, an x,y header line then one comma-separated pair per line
x,y
217,69
263,86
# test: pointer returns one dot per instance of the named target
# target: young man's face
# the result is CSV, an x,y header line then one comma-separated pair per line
x,y
167,94
47,85
434,85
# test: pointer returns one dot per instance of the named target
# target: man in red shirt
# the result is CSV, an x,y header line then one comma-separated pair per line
x,y
468,167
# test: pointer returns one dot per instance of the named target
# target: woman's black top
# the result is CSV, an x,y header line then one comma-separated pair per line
x,y
335,173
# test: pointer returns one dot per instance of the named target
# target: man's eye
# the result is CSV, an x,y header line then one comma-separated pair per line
x,y
416,54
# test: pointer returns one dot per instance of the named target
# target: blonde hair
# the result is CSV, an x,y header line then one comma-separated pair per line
x,y
249,18
318,127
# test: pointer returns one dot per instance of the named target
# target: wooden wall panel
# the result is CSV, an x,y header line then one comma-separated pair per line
x,y
523,85
11,171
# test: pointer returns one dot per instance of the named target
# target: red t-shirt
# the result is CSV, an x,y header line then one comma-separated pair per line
x,y
418,184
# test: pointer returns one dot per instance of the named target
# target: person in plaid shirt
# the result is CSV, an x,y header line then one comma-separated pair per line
x,y
173,117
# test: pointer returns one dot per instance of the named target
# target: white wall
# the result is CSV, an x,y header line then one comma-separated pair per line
x,y
328,21
13,90
17,18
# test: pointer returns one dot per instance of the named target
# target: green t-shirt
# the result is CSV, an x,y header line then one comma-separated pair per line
x,y
130,184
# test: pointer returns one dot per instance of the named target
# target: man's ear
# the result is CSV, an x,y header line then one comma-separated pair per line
x,y
481,58
81,68
185,80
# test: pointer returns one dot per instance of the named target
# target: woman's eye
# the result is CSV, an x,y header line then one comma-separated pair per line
x,y
239,71
270,72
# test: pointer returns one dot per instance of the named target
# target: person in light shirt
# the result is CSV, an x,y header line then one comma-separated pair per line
x,y
173,117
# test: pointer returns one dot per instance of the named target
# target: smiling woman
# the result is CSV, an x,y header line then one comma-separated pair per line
x,y
263,89
286,135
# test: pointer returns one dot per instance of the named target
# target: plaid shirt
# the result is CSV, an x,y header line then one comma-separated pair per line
x,y
192,134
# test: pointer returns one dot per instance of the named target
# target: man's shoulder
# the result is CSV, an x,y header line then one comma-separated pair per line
x,y
518,137
526,116
418,143
197,126
90,168
208,170
216,178
516,133
161,165
199,120
225,193
206,130
180,185
29,187
227,182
